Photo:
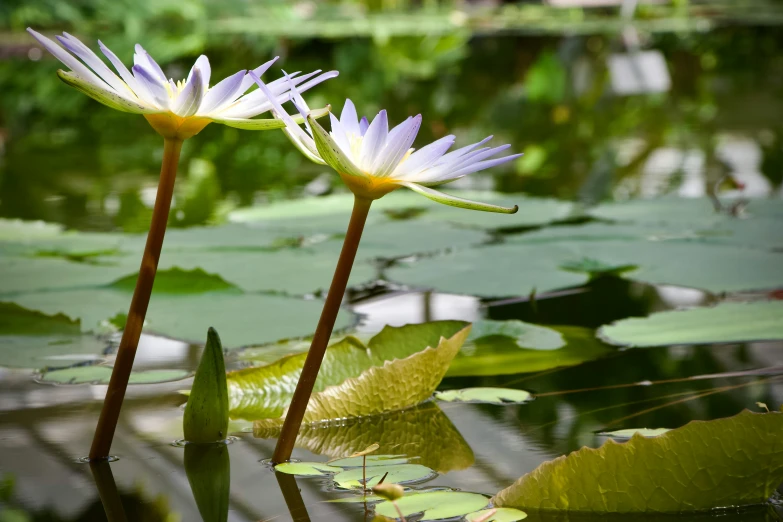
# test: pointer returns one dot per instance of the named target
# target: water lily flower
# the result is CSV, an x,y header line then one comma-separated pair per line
x,y
373,160
178,109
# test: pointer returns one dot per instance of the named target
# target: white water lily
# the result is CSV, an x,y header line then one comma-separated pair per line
x,y
175,109
373,160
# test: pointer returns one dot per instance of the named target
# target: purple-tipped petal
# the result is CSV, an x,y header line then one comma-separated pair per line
x,y
222,93
374,139
188,100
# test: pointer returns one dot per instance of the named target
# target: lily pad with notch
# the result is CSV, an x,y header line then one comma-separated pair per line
x,y
485,395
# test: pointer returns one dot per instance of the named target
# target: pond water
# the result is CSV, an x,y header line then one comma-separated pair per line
x,y
66,160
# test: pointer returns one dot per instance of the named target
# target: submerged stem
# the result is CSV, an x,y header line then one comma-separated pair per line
x,y
304,388
107,423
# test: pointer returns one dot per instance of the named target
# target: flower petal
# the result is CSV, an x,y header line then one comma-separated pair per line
x,y
374,139
202,64
247,124
331,153
363,125
454,201
475,167
423,158
340,136
247,81
349,119
188,100
125,74
397,145
72,63
143,58
155,88
105,96
222,93
75,46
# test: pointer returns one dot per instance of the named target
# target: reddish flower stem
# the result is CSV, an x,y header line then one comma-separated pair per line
x,y
304,388
107,423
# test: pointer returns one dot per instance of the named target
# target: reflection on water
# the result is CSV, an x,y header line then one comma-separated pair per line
x,y
480,448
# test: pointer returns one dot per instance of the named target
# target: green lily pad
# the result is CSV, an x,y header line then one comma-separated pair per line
x,y
434,505
186,316
264,392
409,430
485,395
498,355
704,465
20,230
627,434
726,322
330,213
295,271
371,460
504,270
307,469
177,281
102,374
30,339
499,515
526,335
394,473
415,378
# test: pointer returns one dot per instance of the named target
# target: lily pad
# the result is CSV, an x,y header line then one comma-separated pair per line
x,y
264,392
102,374
177,281
514,269
20,230
414,379
434,505
726,322
370,460
408,430
485,395
307,469
496,515
526,335
30,339
394,473
185,316
704,465
627,434
498,355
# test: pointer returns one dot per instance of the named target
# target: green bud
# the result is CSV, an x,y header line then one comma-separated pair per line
x,y
206,414
209,473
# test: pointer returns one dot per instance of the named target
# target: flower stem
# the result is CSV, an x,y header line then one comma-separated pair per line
x,y
107,423
304,388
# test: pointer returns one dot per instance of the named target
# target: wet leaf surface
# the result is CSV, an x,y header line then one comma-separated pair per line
x,y
726,322
434,505
102,374
394,473
264,392
485,395
718,464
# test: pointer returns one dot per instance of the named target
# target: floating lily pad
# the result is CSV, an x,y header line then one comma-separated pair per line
x,y
498,515
20,230
394,473
30,339
485,395
704,465
177,281
434,505
415,378
370,460
187,316
307,469
525,335
408,430
498,355
627,434
726,322
296,271
263,392
492,271
102,374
